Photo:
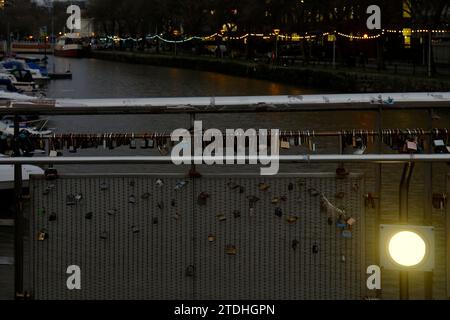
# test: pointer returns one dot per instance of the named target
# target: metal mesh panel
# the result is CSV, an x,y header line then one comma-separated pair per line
x,y
266,264
134,239
125,251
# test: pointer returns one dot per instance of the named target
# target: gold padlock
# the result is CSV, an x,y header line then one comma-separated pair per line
x,y
231,250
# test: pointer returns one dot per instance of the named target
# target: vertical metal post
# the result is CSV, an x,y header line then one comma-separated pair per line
x,y
334,53
430,39
403,199
428,206
18,217
194,218
378,184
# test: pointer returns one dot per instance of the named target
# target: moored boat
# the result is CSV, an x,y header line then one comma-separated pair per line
x,y
71,46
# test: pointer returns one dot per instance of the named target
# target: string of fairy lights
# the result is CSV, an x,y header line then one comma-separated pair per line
x,y
293,37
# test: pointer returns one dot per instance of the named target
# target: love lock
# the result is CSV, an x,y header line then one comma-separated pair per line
x,y
315,249
104,235
173,203
236,214
135,229
145,196
176,217
42,235
231,250
278,212
132,200
41,211
202,199
292,219
291,187
111,212
89,215
52,217
159,183
160,205
222,217
70,200
190,271
104,186
79,197
313,192
263,187
180,185
155,220
252,201
295,244
211,238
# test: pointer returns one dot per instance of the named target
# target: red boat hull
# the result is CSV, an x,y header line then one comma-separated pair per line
x,y
75,53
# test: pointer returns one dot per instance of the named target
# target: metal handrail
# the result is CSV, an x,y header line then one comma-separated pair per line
x,y
322,158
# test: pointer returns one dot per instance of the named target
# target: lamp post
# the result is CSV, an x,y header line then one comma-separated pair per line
x,y
277,33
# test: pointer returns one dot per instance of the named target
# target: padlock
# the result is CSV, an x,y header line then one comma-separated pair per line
x,y
79,197
41,211
221,217
263,187
275,200
211,238
145,196
231,250
104,235
159,183
155,220
104,186
346,234
89,215
180,185
291,187
70,200
236,214
135,229
313,192
284,144
330,221
295,244
202,198
173,203
111,212
42,235
52,217
151,143
351,221
132,199
292,219
144,144
278,212
133,143
160,205
190,271
51,174
315,249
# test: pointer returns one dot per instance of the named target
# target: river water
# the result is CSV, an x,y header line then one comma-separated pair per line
x,y
106,79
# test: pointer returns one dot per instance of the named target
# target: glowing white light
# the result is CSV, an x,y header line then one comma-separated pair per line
x,y
407,248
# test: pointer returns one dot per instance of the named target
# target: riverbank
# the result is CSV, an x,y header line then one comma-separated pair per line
x,y
322,77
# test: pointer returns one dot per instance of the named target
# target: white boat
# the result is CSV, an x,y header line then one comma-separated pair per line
x,y
7,175
21,86
7,127
71,45
14,64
